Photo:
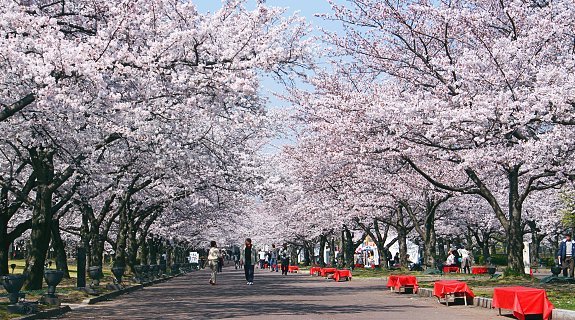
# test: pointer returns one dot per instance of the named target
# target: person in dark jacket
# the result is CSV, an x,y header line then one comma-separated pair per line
x,y
284,256
565,255
249,257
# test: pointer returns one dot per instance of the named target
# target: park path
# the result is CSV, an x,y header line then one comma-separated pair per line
x,y
273,296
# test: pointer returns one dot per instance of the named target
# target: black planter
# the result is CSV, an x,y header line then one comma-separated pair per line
x,y
175,268
118,273
556,270
138,273
491,270
53,278
154,268
13,284
95,273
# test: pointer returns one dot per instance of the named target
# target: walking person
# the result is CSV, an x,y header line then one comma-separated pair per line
x,y
274,258
565,255
262,258
284,256
220,260
249,258
213,261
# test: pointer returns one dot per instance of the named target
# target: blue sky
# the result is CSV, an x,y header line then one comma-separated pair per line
x,y
304,8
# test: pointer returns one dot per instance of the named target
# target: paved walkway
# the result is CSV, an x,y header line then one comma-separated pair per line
x,y
273,296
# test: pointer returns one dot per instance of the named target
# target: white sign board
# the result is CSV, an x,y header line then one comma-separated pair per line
x,y
194,257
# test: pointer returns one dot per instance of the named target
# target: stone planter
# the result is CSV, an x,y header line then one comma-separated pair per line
x,y
145,272
556,270
138,273
175,268
154,268
95,273
118,273
13,284
53,278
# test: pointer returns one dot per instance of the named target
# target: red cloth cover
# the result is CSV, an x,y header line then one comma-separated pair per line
x,y
293,268
391,281
341,274
325,271
479,270
402,281
314,270
522,301
448,269
443,287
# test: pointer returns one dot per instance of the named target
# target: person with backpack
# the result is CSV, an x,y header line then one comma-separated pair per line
x,y
213,261
284,256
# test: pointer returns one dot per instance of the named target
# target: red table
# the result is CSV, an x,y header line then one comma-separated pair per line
x,y
338,274
293,269
522,301
445,288
398,282
478,270
448,269
325,271
313,271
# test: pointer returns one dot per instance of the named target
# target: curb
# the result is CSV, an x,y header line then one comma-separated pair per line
x,y
151,283
46,313
112,294
562,314
424,292
117,293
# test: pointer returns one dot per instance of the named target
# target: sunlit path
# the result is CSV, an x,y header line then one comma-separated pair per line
x,y
272,296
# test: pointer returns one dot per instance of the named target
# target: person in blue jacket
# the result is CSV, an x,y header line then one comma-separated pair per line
x,y
565,255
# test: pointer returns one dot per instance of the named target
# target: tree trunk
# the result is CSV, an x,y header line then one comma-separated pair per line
x,y
441,249
40,238
322,241
42,162
59,249
515,229
120,250
349,249
306,252
4,247
430,240
402,240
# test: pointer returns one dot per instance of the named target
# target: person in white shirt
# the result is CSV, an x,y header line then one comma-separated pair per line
x,y
262,257
213,261
465,260
450,259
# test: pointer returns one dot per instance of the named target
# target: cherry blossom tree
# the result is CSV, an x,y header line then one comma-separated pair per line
x,y
471,93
